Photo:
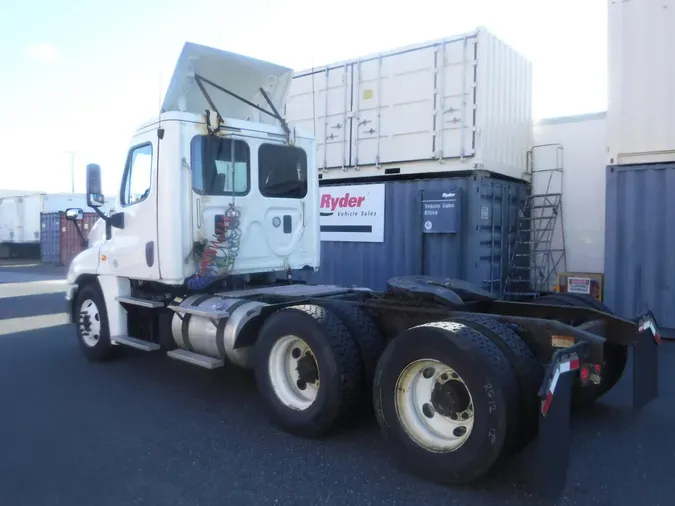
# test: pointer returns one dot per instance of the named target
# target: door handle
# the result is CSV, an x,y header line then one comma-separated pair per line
x,y
199,213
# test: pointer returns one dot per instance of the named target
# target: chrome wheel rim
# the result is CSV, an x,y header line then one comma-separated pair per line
x,y
89,323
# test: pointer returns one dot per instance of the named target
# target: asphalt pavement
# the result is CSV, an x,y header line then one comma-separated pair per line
x,y
144,429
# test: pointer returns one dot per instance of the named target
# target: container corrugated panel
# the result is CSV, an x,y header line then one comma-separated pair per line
x,y
50,237
59,240
639,242
478,253
465,100
71,242
641,82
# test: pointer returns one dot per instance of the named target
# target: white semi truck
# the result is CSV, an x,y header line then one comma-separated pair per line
x,y
217,214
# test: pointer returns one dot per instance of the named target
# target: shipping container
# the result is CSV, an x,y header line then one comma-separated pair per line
x,y
639,242
461,227
456,104
568,157
59,239
20,215
641,82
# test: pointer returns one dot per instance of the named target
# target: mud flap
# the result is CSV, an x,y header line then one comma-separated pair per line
x,y
646,361
554,437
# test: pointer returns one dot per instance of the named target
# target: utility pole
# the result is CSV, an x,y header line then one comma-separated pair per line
x,y
72,171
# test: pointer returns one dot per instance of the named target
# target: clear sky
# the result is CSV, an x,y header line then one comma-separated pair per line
x,y
80,75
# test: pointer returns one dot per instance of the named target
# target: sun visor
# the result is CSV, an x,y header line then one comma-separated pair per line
x,y
241,75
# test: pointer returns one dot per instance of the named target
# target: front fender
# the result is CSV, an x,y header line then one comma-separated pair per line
x,y
84,264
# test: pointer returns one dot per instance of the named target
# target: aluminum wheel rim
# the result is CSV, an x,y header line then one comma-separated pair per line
x,y
283,371
420,417
90,323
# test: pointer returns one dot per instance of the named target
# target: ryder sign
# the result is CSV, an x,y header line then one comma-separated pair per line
x,y
352,213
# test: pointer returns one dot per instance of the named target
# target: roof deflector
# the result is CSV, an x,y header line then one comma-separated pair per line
x,y
233,85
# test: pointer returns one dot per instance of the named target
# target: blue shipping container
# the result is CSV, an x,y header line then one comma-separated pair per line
x,y
476,247
50,237
639,242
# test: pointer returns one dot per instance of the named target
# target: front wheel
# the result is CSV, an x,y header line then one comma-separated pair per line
x,y
92,324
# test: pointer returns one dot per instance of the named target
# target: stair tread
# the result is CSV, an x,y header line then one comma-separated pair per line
x,y
136,301
139,344
196,359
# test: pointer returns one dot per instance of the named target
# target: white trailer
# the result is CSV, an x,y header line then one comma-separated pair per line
x,y
455,104
20,219
200,259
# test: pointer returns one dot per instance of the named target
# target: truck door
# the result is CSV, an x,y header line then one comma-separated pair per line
x,y
132,252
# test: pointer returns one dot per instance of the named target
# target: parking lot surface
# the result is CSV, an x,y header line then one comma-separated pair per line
x,y
144,429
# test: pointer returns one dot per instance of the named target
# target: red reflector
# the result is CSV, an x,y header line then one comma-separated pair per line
x,y
597,368
585,373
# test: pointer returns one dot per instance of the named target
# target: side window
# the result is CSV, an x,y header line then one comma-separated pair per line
x,y
138,175
282,171
217,168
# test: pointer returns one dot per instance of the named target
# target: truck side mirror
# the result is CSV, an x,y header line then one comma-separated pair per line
x,y
95,196
74,214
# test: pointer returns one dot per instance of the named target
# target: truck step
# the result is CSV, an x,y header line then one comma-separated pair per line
x,y
217,315
140,302
196,359
132,342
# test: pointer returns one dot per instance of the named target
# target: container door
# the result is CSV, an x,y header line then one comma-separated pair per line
x,y
367,112
394,107
132,252
320,103
454,117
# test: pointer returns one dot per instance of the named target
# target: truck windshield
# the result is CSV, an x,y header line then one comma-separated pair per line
x,y
215,171
282,171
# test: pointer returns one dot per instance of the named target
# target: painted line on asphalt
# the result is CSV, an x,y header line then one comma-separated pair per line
x,y
32,288
24,324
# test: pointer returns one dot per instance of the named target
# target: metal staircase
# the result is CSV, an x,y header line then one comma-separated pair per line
x,y
539,252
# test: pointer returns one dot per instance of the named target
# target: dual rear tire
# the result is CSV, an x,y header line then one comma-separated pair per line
x,y
450,397
314,364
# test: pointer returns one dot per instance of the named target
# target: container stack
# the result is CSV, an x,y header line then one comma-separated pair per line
x,y
59,239
422,166
641,160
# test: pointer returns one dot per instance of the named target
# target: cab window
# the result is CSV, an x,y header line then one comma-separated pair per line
x,y
282,171
220,166
137,175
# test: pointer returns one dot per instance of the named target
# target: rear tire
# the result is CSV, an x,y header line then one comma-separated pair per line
x,y
93,332
367,337
418,441
527,370
615,355
308,370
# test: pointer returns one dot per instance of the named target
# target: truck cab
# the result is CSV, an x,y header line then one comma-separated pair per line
x,y
215,189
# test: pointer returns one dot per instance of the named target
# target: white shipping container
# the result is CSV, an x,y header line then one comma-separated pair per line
x,y
641,82
455,104
20,215
576,146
